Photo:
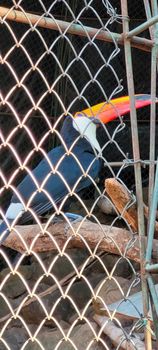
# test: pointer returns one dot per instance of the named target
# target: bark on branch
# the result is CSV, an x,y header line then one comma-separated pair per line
x,y
59,236
124,203
122,200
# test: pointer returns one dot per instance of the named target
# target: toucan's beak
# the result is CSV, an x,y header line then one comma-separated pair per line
x,y
107,112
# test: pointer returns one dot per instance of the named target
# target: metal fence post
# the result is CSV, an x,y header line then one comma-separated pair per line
x,y
136,153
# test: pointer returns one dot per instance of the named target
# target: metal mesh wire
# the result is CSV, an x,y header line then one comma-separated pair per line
x,y
45,76
64,53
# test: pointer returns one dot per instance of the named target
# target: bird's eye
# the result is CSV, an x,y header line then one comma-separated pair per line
x,y
96,120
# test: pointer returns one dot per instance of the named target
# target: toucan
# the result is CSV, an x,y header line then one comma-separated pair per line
x,y
66,169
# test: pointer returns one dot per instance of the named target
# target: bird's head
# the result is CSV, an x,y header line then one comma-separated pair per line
x,y
86,121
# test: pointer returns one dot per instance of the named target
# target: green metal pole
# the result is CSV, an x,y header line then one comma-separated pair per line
x,y
153,293
151,268
154,315
153,190
152,219
142,27
135,143
153,106
148,15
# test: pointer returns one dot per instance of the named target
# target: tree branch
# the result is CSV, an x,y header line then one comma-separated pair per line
x,y
86,234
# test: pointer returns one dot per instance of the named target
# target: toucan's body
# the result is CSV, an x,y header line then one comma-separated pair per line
x,y
69,173
68,168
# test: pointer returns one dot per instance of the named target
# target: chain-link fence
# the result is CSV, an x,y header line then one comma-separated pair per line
x,y
69,256
63,52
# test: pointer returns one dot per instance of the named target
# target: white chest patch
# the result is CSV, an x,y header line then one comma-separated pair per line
x,y
87,129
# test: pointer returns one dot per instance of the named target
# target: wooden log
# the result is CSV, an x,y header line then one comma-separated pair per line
x,y
117,335
122,199
86,234
60,235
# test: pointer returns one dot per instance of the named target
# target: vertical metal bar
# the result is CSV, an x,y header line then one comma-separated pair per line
x,y
153,106
148,337
154,305
153,293
136,152
152,219
154,316
148,15
152,201
154,6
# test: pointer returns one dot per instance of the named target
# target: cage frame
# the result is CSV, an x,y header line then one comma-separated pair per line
x,y
128,39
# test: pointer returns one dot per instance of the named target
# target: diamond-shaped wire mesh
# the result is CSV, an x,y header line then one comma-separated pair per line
x,y
51,292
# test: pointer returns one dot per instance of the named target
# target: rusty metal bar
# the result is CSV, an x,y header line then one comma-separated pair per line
x,y
136,151
71,28
142,27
